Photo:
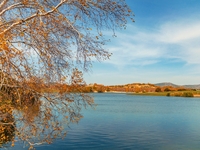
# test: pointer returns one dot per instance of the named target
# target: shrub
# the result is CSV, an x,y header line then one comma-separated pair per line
x,y
168,94
158,89
167,90
181,89
187,94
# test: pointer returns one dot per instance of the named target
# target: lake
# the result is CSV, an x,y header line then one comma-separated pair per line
x,y
123,121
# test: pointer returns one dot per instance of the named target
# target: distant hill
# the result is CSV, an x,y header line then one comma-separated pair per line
x,y
197,86
167,84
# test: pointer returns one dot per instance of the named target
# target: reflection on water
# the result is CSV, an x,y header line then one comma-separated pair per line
x,y
31,123
133,122
7,125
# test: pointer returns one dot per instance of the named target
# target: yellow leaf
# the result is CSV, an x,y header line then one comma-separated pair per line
x,y
21,34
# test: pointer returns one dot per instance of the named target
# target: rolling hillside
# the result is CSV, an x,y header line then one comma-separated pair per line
x,y
196,86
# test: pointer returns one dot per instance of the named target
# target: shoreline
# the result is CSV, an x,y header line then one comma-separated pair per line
x,y
119,92
196,95
151,94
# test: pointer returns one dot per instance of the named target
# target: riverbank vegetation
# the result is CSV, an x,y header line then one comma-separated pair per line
x,y
176,94
142,89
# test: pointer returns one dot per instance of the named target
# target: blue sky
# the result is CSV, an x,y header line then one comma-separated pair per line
x,y
163,45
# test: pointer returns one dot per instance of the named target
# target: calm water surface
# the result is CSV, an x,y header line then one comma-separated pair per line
x,y
123,121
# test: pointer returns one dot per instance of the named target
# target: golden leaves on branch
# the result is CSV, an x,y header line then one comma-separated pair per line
x,y
25,2
3,43
35,44
4,46
83,2
6,123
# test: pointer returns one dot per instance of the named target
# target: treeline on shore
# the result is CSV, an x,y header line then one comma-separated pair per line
x,y
134,88
142,89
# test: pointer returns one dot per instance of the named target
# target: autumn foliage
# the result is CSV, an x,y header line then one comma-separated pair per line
x,y
45,46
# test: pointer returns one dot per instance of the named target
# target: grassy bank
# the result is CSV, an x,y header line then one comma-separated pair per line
x,y
151,94
171,93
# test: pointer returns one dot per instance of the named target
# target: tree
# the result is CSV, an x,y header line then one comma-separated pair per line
x,y
167,89
158,89
43,42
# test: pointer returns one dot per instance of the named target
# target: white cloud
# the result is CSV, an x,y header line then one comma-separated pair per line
x,y
178,32
167,52
178,40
